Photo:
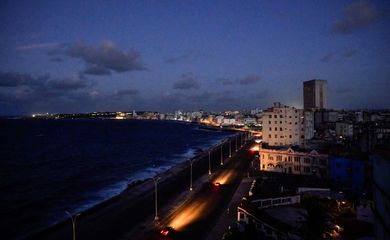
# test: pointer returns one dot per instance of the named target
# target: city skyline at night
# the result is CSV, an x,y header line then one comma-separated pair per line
x,y
163,56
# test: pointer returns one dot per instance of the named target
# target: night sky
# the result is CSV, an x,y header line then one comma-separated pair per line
x,y
84,56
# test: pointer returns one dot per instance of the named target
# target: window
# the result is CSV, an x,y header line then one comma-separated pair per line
x,y
297,168
275,116
289,158
276,129
306,169
279,158
296,123
269,122
270,116
290,136
289,116
276,135
281,129
269,136
270,128
296,159
306,160
276,122
281,116
281,122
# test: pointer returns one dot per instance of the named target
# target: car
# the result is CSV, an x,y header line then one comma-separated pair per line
x,y
167,231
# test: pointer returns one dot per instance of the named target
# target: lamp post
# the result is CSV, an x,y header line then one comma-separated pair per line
x,y
236,143
230,147
155,180
209,164
221,155
191,174
73,218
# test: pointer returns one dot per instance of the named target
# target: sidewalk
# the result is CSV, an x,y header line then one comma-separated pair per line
x,y
229,217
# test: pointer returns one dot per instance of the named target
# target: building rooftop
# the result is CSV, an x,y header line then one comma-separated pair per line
x,y
274,184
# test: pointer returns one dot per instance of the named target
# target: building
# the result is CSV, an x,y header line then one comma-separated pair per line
x,y
284,222
292,161
315,94
344,129
348,173
283,126
309,125
381,193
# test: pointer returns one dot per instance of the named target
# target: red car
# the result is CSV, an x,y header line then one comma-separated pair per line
x,y
167,231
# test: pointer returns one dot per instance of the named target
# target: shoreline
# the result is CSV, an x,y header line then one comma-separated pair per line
x,y
133,190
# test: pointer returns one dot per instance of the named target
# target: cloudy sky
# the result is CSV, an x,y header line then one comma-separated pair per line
x,y
83,56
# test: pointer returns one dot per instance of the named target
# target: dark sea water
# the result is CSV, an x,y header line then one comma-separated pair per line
x,y
49,166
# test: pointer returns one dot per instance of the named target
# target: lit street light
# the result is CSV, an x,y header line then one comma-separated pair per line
x,y
191,174
221,155
209,164
155,180
236,143
73,218
230,147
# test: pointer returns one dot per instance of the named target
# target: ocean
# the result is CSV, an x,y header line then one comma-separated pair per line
x,y
48,167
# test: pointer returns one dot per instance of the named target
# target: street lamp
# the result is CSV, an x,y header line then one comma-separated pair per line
x,y
209,164
236,143
230,147
221,155
155,180
73,218
191,174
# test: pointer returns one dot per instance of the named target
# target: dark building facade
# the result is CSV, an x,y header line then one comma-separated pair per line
x,y
315,94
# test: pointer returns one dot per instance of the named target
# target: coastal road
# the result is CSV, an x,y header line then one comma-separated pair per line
x,y
195,218
116,218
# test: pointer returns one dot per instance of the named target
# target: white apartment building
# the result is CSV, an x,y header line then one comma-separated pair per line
x,y
294,162
283,125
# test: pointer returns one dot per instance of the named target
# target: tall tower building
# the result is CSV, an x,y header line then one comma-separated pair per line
x,y
315,94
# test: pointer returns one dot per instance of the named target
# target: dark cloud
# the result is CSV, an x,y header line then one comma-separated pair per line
x,y
250,79
349,53
357,15
56,59
14,79
101,60
192,55
69,83
96,70
126,92
225,81
37,46
327,58
186,81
